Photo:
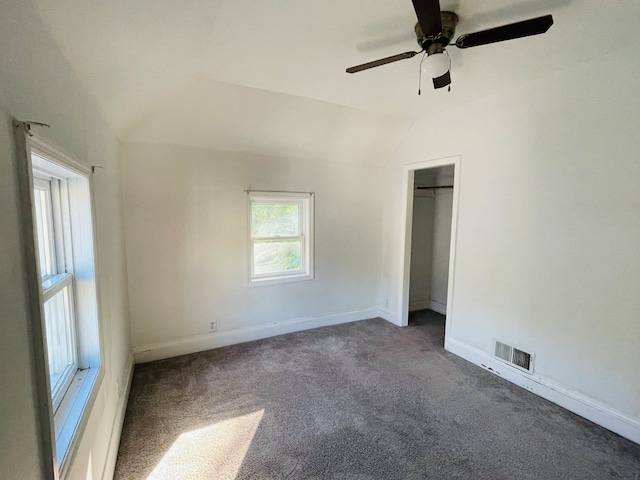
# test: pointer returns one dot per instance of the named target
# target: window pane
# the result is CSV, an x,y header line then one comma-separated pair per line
x,y
275,219
44,227
59,331
278,256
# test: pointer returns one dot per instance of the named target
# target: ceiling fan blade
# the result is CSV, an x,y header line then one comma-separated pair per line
x,y
428,13
382,61
526,28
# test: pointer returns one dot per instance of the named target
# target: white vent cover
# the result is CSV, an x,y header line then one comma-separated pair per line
x,y
514,356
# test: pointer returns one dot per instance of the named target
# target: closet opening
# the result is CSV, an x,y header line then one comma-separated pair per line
x,y
429,246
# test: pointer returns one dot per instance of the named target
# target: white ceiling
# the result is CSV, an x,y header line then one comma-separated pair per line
x,y
267,76
217,115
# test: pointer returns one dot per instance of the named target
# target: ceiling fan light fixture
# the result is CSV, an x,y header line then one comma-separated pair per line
x,y
436,64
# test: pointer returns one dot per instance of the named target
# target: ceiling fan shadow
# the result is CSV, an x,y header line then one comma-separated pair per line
x,y
388,41
524,9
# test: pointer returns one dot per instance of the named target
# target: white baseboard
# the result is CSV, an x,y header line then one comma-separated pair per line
x,y
199,343
441,308
116,429
388,315
573,401
419,305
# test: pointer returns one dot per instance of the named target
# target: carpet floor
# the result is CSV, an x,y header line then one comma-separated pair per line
x,y
357,401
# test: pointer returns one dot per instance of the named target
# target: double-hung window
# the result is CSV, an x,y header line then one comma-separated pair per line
x,y
57,283
280,237
64,249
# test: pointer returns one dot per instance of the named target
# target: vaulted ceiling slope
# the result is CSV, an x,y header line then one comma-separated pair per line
x,y
268,76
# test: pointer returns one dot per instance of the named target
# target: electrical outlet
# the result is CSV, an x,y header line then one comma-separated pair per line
x,y
212,326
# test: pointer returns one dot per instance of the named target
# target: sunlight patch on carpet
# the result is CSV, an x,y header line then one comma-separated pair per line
x,y
216,451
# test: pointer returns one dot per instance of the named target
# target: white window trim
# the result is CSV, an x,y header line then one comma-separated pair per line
x,y
57,284
306,221
62,431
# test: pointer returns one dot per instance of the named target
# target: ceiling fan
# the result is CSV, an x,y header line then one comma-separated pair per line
x,y
435,30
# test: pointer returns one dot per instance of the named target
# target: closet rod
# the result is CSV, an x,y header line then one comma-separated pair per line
x,y
425,187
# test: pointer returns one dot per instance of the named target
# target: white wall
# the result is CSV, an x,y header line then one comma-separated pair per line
x,y
548,226
442,217
443,202
422,241
421,251
36,83
186,240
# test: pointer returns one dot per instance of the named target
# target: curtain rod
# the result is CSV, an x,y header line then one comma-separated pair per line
x,y
425,187
278,191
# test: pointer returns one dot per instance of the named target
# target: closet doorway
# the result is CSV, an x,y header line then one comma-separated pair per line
x,y
429,242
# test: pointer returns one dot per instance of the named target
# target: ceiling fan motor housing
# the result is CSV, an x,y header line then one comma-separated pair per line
x,y
435,44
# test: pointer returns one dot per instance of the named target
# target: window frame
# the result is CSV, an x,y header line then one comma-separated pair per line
x,y
64,421
59,273
305,202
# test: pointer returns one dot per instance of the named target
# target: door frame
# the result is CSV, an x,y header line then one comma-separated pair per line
x,y
405,246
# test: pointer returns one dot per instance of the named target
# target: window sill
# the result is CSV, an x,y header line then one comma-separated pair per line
x,y
73,412
301,277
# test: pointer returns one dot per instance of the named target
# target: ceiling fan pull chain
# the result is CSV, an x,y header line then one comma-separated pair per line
x,y
420,73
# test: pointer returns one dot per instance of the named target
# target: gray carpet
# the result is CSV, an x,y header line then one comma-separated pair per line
x,y
364,400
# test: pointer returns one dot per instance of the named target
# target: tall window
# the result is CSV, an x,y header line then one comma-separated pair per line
x,y
57,283
63,230
281,237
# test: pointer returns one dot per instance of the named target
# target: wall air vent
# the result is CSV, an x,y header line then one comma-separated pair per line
x,y
514,356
